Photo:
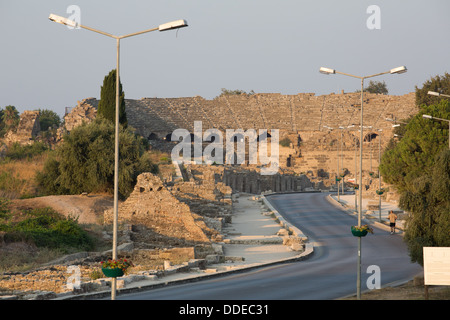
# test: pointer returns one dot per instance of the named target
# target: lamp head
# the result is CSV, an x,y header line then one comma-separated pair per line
x,y
432,93
327,70
62,20
398,70
173,25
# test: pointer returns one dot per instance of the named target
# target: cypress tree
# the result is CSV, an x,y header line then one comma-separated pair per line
x,y
107,104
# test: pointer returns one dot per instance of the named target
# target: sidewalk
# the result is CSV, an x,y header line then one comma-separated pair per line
x,y
347,202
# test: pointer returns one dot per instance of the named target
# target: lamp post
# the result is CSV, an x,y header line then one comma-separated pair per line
x,y
426,116
379,172
163,27
342,159
337,161
327,71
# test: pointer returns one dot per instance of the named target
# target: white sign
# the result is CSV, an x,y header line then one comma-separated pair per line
x,y
436,265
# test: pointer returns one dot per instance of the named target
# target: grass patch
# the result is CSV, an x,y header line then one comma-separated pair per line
x,y
44,227
17,177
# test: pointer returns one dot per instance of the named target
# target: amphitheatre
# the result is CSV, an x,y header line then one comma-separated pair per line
x,y
182,213
302,118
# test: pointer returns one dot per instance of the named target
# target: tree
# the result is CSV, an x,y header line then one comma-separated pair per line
x,y
107,103
428,200
226,92
414,154
85,161
10,117
440,84
48,119
376,87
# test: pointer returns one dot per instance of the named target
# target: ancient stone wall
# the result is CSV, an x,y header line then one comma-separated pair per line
x,y
85,111
302,118
287,113
153,206
27,129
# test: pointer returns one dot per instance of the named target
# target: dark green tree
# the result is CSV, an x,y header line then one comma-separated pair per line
x,y
376,87
428,200
418,166
107,103
10,117
237,92
440,84
85,161
48,119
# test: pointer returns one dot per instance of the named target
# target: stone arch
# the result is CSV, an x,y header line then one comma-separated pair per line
x,y
370,137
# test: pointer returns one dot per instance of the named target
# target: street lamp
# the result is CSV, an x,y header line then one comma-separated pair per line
x,y
328,71
379,172
437,94
163,27
426,116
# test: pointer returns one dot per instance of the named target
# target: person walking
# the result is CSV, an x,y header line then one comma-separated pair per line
x,y
392,218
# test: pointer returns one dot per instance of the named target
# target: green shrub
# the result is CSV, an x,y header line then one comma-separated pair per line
x,y
17,151
46,228
286,142
84,162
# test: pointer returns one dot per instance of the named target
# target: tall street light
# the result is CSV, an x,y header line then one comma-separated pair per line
x,y
397,70
163,27
379,173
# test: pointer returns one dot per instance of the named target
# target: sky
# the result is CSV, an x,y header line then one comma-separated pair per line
x,y
262,45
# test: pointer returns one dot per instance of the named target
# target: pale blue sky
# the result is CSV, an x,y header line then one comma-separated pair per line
x,y
261,45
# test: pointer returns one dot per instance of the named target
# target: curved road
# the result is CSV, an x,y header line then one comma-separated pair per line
x,y
329,274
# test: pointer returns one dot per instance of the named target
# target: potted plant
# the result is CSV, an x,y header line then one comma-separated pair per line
x,y
115,268
361,231
371,173
380,192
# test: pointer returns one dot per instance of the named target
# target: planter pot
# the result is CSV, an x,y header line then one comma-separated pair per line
x,y
112,273
380,192
358,233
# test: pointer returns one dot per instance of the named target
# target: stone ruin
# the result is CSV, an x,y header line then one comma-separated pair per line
x,y
26,131
162,218
85,111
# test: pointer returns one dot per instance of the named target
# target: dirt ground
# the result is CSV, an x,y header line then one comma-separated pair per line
x,y
87,208
407,291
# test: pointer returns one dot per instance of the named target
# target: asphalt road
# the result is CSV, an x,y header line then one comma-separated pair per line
x,y
330,273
